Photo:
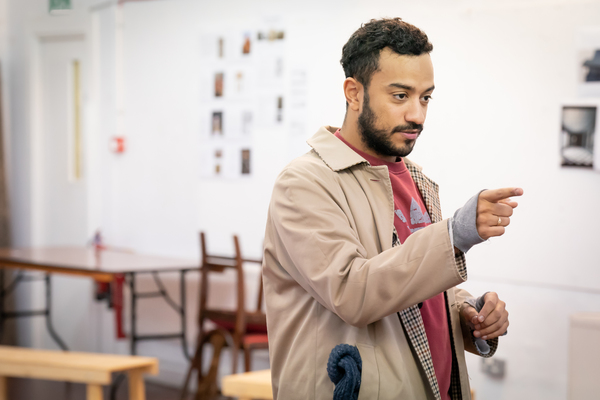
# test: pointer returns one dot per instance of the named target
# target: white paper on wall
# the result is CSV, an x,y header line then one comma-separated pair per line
x,y
297,110
242,85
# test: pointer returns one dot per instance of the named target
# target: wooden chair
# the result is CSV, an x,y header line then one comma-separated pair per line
x,y
238,329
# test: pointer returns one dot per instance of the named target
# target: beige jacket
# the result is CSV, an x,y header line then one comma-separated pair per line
x,y
331,276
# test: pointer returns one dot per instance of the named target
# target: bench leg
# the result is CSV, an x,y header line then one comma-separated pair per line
x,y
94,392
3,388
136,386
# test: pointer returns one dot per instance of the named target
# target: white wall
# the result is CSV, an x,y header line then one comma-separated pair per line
x,y
502,70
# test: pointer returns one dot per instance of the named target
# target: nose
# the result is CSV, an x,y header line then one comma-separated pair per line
x,y
416,112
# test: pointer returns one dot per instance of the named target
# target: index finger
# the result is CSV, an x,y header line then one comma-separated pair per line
x,y
495,195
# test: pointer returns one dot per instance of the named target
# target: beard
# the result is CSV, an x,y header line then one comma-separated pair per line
x,y
379,140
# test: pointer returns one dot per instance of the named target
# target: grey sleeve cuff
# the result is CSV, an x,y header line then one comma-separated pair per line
x,y
464,226
476,303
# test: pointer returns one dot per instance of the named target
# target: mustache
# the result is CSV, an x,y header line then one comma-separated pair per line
x,y
411,126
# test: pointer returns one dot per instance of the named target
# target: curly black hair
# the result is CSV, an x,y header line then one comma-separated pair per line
x,y
360,55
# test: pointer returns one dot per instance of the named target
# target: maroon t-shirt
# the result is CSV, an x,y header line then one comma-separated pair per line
x,y
411,215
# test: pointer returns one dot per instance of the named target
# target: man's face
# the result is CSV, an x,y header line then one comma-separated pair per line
x,y
395,104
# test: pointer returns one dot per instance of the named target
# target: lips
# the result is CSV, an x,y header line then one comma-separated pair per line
x,y
410,134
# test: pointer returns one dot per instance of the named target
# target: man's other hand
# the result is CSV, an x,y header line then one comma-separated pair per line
x,y
491,321
494,208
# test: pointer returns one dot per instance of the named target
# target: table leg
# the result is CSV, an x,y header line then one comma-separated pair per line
x,y
183,315
94,392
136,385
133,313
51,330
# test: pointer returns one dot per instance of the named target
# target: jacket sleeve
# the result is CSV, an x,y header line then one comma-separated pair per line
x,y
317,243
461,296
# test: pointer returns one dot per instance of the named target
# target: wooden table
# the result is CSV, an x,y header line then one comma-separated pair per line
x,y
104,266
90,368
249,385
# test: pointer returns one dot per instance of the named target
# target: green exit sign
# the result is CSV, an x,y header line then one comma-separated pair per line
x,y
60,6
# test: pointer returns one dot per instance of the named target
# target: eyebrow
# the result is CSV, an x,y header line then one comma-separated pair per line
x,y
407,87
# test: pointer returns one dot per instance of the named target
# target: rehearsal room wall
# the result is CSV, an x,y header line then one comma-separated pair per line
x,y
502,71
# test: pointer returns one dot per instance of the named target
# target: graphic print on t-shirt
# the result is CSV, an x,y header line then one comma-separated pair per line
x,y
418,218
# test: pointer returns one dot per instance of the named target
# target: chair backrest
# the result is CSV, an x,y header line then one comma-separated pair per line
x,y
218,264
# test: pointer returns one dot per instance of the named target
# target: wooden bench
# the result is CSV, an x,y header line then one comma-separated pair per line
x,y
249,385
90,368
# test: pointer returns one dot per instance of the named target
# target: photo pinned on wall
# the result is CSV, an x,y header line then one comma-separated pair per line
x,y
239,82
218,162
591,67
279,117
589,72
270,65
579,122
245,161
217,123
587,42
246,43
219,78
297,113
271,35
220,47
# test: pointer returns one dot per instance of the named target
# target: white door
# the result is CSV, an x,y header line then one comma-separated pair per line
x,y
61,176
60,194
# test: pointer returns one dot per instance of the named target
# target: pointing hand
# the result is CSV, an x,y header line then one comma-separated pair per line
x,y
494,208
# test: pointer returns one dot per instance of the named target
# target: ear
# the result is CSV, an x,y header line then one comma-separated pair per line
x,y
353,90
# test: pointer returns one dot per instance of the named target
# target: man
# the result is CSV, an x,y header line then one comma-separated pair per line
x,y
356,250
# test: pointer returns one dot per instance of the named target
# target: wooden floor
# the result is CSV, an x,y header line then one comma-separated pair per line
x,y
28,389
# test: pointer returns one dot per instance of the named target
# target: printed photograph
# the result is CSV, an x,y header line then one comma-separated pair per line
x,y
219,84
591,67
218,161
245,161
271,35
577,136
239,82
217,123
220,47
246,44
279,109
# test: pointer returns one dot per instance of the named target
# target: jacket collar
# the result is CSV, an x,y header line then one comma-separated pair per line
x,y
332,150
335,154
